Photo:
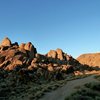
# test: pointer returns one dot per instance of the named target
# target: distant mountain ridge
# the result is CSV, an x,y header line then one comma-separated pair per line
x,y
91,59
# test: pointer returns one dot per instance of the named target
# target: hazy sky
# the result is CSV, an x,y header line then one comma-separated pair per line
x,y
72,25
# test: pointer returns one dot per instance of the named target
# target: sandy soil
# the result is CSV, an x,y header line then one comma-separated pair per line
x,y
67,89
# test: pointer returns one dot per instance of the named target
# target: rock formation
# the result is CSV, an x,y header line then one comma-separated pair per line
x,y
21,66
25,60
6,42
60,54
52,54
31,50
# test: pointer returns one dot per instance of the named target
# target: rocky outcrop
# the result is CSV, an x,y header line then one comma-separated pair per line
x,y
24,59
6,42
15,54
56,54
60,54
52,54
21,46
21,66
92,59
31,50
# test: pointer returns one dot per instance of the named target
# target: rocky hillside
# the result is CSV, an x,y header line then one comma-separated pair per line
x,y
25,74
24,58
92,59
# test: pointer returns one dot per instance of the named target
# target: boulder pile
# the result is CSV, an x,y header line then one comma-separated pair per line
x,y
24,58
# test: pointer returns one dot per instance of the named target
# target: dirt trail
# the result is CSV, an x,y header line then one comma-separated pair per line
x,y
67,89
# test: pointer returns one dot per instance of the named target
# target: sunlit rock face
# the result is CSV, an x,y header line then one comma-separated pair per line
x,y
91,59
24,57
22,45
57,54
52,53
13,55
60,54
32,50
6,42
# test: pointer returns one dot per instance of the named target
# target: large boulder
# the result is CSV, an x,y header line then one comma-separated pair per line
x,y
9,53
10,67
59,54
31,49
6,42
52,54
21,46
28,46
50,67
14,64
17,62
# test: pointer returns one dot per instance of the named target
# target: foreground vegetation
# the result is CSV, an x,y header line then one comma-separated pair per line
x,y
90,91
18,87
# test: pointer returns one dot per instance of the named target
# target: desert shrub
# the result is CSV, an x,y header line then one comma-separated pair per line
x,y
97,98
90,93
79,97
85,94
93,86
97,77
